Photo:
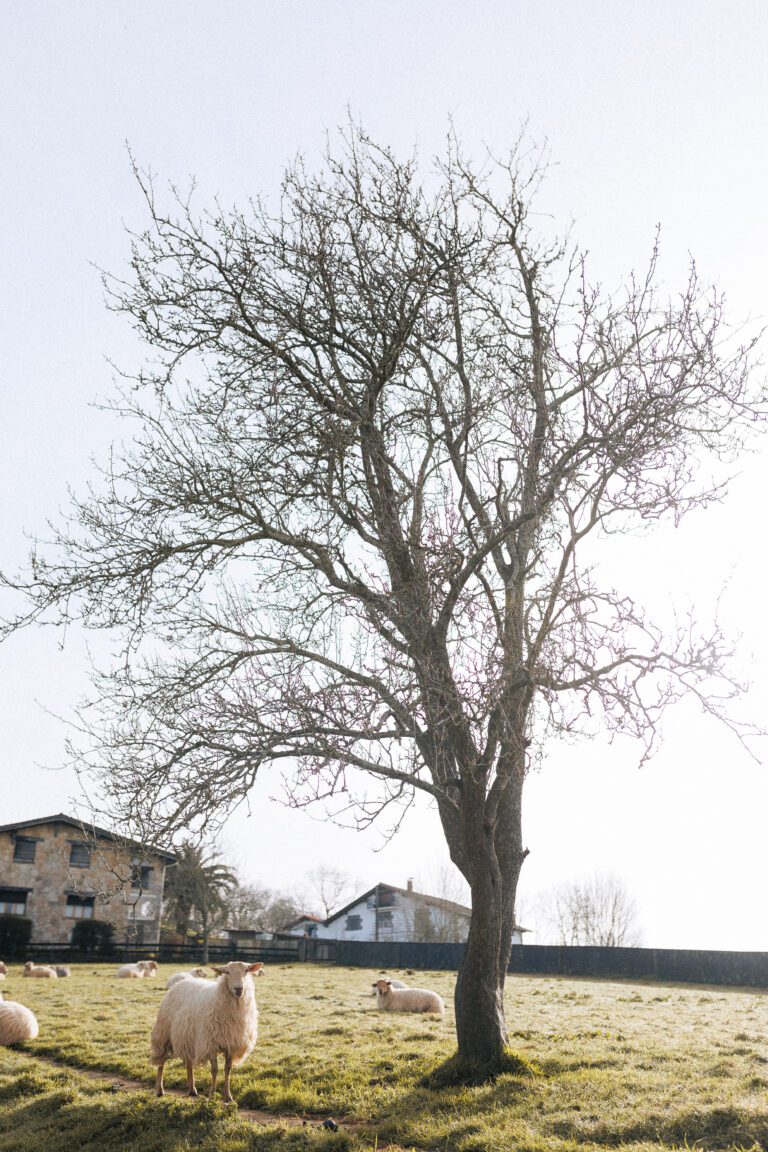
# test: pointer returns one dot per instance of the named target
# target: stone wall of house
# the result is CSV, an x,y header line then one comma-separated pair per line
x,y
51,878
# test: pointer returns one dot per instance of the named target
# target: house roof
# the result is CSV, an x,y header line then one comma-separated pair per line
x,y
88,830
301,920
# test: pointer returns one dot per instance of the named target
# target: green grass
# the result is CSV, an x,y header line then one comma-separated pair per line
x,y
593,1065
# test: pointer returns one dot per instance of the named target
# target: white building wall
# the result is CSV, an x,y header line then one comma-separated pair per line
x,y
397,926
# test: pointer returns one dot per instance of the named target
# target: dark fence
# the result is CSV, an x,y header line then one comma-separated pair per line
x,y
663,964
268,951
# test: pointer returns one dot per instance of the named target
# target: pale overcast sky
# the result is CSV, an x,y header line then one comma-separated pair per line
x,y
654,113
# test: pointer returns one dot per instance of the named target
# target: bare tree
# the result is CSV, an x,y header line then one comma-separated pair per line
x,y
330,886
439,919
251,906
248,907
383,436
598,910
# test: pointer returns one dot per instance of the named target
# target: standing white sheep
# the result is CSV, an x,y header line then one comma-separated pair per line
x,y
41,971
198,1019
17,1023
390,999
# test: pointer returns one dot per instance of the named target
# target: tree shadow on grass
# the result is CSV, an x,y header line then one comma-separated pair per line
x,y
42,1111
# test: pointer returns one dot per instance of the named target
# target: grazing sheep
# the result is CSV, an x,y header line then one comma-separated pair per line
x,y
390,999
196,973
17,1023
63,970
198,1019
41,971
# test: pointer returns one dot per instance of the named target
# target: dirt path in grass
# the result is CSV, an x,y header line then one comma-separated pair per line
x,y
254,1115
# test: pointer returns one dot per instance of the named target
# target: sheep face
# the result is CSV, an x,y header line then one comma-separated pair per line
x,y
235,973
383,986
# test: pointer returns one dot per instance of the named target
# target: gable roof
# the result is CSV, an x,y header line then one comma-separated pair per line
x,y
305,916
87,830
423,897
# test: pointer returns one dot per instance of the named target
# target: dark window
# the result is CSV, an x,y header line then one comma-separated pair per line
x,y
382,899
140,875
353,924
79,856
24,850
13,902
385,918
80,907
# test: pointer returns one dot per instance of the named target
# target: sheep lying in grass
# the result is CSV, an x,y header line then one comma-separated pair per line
x,y
17,1023
41,971
198,1019
391,999
196,973
394,983
130,972
138,970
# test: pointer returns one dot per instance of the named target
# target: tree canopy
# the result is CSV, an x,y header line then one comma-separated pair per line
x,y
382,433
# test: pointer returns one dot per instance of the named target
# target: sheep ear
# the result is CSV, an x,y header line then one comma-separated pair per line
x,y
221,971
255,967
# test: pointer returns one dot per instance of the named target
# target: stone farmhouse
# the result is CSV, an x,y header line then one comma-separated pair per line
x,y
386,912
57,871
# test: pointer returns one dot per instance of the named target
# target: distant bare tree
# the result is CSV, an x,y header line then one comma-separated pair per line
x,y
247,907
435,921
254,907
384,432
329,886
598,910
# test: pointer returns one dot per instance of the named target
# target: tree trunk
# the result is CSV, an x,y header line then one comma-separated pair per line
x,y
496,860
481,1029
206,934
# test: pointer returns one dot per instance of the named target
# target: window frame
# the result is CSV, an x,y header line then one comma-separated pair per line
x,y
13,901
28,843
79,907
76,846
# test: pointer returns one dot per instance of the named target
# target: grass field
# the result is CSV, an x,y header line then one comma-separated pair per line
x,y
619,1065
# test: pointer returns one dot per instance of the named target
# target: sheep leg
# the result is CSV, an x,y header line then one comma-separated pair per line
x,y
191,1090
226,1095
159,1080
214,1074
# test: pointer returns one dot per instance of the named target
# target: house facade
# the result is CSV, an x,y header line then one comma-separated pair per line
x,y
56,871
386,912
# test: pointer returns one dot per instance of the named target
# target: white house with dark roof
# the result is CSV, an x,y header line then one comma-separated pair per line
x,y
386,912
